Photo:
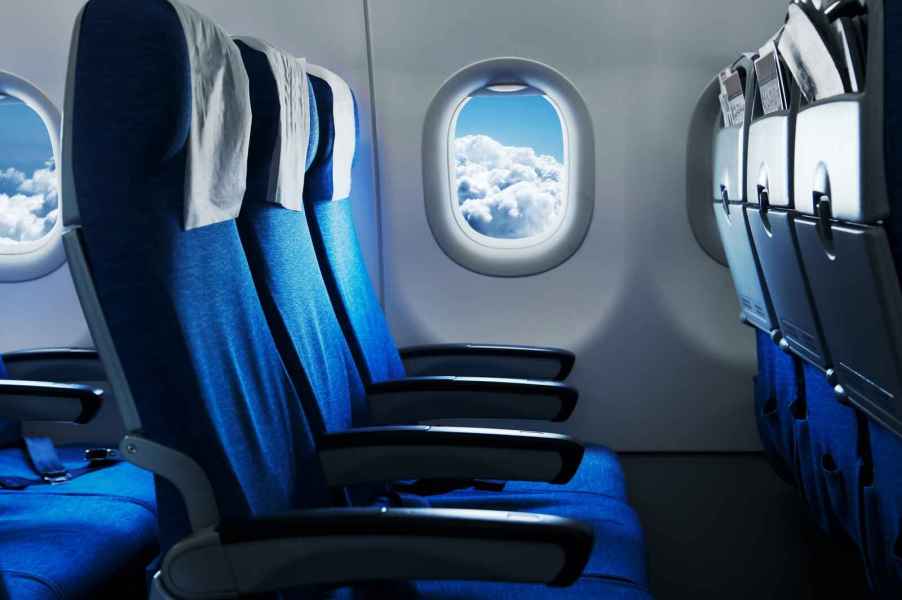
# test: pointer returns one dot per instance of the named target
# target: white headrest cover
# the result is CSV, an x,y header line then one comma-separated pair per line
x,y
345,127
286,180
216,168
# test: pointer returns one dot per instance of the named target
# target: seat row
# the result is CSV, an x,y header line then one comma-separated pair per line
x,y
805,197
208,204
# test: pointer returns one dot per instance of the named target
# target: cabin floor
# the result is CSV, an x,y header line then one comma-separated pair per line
x,y
726,526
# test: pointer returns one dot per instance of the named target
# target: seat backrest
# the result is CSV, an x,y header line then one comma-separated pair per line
x,y
180,305
328,198
289,281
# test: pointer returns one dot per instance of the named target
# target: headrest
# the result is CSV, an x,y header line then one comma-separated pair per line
x,y
214,136
329,178
216,167
288,158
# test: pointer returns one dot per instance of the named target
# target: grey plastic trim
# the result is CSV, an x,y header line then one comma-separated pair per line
x,y
699,176
70,213
158,590
769,164
182,471
197,567
46,255
787,282
100,333
348,545
753,299
856,292
840,142
517,258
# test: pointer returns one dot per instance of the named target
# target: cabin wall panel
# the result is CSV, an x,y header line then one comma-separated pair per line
x,y
663,363
35,39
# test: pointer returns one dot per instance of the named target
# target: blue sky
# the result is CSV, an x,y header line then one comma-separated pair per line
x,y
508,155
514,120
29,201
24,143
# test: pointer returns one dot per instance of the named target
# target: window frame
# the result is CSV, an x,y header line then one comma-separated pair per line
x,y
501,257
37,258
498,242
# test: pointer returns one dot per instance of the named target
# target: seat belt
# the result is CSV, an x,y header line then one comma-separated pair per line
x,y
46,463
44,459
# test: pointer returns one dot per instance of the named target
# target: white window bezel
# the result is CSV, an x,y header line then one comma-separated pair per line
x,y
495,242
38,258
497,256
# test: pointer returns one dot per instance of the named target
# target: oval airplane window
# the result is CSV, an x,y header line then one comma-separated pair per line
x,y
30,222
508,168
509,171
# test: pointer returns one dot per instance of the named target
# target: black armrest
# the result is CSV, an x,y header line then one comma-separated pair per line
x,y
55,364
50,354
488,360
380,454
425,398
43,401
343,546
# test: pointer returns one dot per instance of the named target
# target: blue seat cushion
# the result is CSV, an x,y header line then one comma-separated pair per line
x,y
121,480
599,473
65,545
619,550
586,587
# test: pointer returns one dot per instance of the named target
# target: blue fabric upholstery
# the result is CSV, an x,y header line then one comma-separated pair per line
x,y
831,468
883,513
766,414
357,307
120,480
181,306
280,252
57,546
332,226
586,587
89,537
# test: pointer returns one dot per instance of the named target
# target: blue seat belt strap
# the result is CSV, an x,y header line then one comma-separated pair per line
x,y
44,459
96,459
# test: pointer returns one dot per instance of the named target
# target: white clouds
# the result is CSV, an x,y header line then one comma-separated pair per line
x,y
505,191
29,206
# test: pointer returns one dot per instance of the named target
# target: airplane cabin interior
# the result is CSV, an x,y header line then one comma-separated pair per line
x,y
451,300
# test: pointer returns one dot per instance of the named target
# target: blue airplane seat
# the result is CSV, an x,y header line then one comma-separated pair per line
x,y
90,536
883,512
246,482
329,215
831,466
883,483
773,395
280,252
